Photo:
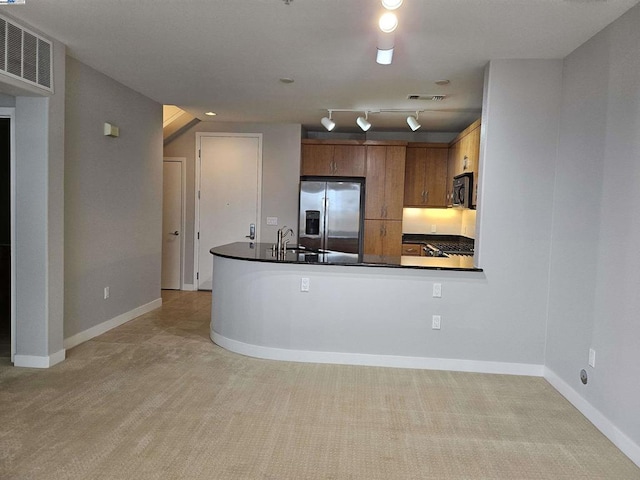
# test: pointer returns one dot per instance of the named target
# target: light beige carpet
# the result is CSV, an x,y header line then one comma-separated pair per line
x,y
155,399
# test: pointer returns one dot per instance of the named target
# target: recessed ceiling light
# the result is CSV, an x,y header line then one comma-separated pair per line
x,y
286,80
391,4
443,82
388,22
210,114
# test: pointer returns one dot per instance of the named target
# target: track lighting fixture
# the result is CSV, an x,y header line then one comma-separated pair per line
x,y
328,123
413,122
363,122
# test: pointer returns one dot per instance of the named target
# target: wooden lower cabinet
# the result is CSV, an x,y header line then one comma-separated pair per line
x,y
383,237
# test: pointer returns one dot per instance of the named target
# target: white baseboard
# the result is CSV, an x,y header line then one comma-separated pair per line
x,y
189,287
424,363
33,361
103,327
602,423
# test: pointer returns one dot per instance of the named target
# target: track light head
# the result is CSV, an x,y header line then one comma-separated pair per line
x,y
413,122
363,123
328,123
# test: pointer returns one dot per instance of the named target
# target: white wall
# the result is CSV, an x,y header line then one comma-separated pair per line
x,y
113,199
595,270
280,175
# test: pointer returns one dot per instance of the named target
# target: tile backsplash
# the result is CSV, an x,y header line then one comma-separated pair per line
x,y
445,221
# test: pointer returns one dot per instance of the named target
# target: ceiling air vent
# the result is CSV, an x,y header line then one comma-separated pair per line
x,y
25,55
423,96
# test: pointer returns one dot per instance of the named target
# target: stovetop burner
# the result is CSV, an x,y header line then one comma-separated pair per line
x,y
450,248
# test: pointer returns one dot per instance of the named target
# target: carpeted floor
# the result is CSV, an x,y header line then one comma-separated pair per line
x,y
155,399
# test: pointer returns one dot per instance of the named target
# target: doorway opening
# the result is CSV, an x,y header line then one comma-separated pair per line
x,y
6,329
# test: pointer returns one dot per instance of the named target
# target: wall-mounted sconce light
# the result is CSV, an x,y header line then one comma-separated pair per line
x,y
111,130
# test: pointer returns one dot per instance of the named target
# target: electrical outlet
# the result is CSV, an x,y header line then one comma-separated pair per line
x,y
106,292
592,358
434,228
437,290
272,221
304,284
435,322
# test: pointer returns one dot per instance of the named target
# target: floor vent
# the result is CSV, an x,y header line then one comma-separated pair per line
x,y
25,55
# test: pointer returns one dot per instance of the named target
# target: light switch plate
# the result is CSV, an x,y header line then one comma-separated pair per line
x,y
272,221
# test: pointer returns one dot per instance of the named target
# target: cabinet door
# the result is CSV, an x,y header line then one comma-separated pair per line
x,y
394,183
412,249
383,237
374,190
385,182
316,160
451,170
348,160
436,177
414,178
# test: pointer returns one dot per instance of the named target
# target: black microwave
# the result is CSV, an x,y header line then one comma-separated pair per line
x,y
463,190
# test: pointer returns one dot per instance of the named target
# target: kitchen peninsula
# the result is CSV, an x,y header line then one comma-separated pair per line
x,y
331,307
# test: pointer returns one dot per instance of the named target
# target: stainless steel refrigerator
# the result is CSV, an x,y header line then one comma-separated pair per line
x,y
331,215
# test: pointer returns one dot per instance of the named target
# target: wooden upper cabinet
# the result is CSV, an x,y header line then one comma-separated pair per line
x,y
385,182
465,150
464,156
349,160
332,160
426,176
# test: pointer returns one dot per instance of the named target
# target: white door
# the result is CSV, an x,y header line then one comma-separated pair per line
x,y
172,218
230,177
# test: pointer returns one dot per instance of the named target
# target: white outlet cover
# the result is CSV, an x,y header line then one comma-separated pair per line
x,y
437,290
435,322
304,284
272,221
592,358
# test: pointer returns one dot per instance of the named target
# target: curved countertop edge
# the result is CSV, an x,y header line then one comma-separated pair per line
x,y
385,262
373,360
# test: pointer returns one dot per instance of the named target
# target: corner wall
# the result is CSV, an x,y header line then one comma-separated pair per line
x,y
113,200
595,270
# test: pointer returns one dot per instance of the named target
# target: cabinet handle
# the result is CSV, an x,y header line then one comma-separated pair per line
x,y
426,196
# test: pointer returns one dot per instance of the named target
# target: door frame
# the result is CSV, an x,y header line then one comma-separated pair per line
x,y
196,223
10,113
183,213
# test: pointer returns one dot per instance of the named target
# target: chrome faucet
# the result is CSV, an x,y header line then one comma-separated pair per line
x,y
282,243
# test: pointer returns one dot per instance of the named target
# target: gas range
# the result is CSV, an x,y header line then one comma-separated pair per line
x,y
442,249
442,245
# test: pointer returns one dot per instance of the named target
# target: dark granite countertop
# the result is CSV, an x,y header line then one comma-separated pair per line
x,y
262,252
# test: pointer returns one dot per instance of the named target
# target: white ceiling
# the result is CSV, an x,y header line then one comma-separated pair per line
x,y
228,55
